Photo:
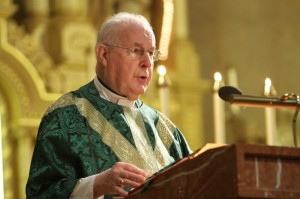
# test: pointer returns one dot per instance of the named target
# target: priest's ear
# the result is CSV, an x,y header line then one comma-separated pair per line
x,y
101,53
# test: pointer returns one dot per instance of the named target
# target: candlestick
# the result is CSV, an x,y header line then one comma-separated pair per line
x,y
163,86
219,111
270,115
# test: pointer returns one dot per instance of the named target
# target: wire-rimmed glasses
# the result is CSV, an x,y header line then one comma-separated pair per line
x,y
138,52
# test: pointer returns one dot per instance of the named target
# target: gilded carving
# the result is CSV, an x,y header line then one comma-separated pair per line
x,y
17,84
135,6
76,40
30,47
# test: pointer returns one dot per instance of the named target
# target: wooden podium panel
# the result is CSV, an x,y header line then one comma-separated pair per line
x,y
228,172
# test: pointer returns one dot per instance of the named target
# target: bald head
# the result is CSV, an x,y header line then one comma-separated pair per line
x,y
118,23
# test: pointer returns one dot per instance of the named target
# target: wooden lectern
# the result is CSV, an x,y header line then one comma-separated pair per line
x,y
228,172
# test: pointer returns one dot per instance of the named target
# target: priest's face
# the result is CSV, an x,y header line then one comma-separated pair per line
x,y
128,64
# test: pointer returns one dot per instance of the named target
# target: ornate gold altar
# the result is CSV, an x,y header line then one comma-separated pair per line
x,y
47,48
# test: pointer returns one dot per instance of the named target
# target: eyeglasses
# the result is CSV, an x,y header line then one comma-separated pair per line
x,y
138,52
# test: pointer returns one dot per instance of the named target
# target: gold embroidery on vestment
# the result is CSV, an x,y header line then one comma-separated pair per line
x,y
165,129
143,158
155,159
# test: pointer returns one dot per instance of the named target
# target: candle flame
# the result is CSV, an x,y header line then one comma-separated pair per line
x,y
218,77
161,70
268,84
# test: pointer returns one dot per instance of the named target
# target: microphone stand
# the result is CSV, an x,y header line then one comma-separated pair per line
x,y
294,122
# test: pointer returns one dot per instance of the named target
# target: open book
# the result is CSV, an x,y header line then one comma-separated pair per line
x,y
206,147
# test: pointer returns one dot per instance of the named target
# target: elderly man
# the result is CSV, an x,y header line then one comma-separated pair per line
x,y
101,140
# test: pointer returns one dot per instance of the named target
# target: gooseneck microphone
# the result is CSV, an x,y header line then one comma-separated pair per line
x,y
235,96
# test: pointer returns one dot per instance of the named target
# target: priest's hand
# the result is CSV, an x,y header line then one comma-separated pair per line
x,y
113,180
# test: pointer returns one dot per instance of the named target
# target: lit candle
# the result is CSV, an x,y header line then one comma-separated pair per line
x,y
270,116
1,164
163,85
219,111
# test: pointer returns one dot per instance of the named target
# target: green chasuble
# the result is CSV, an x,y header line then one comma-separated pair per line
x,y
82,134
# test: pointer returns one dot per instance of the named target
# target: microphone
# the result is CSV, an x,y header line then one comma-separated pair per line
x,y
225,92
235,96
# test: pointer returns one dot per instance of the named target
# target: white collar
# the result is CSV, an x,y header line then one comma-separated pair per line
x,y
111,96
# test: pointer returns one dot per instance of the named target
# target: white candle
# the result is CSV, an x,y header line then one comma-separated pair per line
x,y
270,116
219,111
1,164
163,89
233,81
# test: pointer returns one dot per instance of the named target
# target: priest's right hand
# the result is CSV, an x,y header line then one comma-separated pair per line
x,y
113,180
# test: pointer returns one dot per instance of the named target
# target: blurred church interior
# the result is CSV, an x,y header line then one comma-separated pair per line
x,y
47,49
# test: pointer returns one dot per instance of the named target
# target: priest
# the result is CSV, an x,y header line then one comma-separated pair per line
x,y
101,140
